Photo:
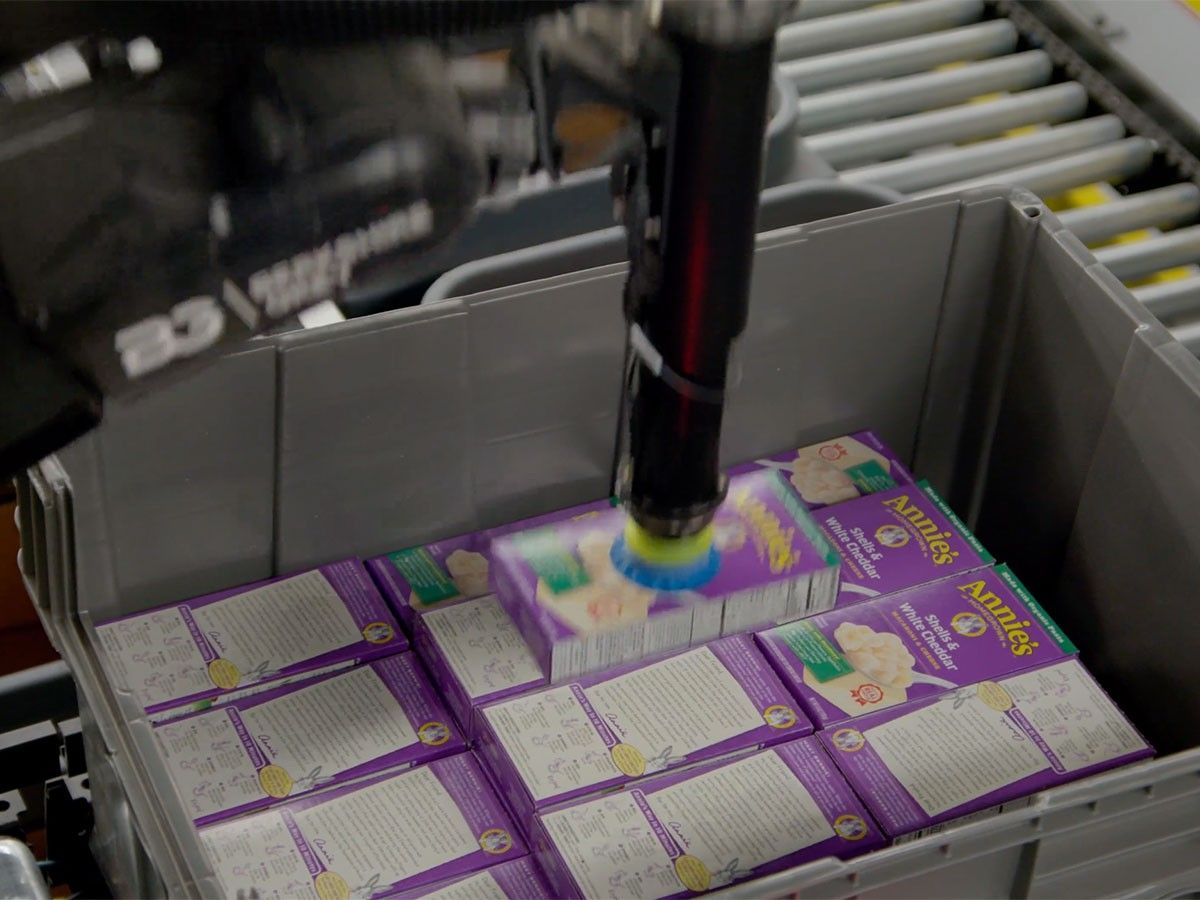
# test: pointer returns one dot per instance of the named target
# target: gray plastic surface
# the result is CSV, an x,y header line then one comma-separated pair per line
x,y
779,207
1112,162
978,336
903,57
1171,298
870,26
1148,447
1165,206
1140,258
20,878
894,97
971,121
929,169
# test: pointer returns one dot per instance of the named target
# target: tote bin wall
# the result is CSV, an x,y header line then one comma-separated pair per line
x,y
971,331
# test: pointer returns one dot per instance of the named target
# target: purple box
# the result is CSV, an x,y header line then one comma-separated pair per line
x,y
416,579
604,731
880,653
936,760
578,614
368,839
290,740
520,879
898,539
839,469
475,655
705,828
209,649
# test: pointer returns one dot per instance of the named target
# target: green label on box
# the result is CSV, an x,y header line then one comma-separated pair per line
x,y
870,477
553,563
803,519
424,575
813,649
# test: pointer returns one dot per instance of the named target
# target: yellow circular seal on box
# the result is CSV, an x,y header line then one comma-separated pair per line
x,y
331,886
994,696
779,716
275,780
378,632
848,740
693,874
495,841
629,760
434,733
850,827
224,674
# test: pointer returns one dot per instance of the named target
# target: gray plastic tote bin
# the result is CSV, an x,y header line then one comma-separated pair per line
x,y
778,207
972,331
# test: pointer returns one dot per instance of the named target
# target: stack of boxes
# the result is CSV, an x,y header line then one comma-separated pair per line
x,y
857,672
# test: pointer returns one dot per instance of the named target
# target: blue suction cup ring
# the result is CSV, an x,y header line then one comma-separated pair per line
x,y
664,578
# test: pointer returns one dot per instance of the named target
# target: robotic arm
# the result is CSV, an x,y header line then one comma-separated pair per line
x,y
152,217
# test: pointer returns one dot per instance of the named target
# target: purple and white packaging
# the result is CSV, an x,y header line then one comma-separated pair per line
x,y
839,469
420,578
877,654
898,539
209,649
475,655
319,732
605,731
705,828
520,879
966,752
368,839
579,614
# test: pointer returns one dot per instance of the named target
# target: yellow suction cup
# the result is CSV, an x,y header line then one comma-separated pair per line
x,y
665,563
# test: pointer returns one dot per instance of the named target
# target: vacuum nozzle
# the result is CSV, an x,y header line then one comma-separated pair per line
x,y
665,563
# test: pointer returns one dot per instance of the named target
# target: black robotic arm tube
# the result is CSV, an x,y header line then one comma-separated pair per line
x,y
712,166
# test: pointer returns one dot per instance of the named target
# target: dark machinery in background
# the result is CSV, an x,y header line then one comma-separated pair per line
x,y
154,213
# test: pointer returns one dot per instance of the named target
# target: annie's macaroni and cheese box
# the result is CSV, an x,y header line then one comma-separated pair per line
x,y
603,732
962,754
417,579
880,653
210,649
705,828
839,469
369,839
319,732
898,539
475,655
579,614
520,879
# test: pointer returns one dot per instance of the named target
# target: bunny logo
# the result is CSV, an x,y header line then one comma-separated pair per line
x,y
891,536
662,760
378,632
968,624
850,828
495,841
434,733
779,716
728,874
848,740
